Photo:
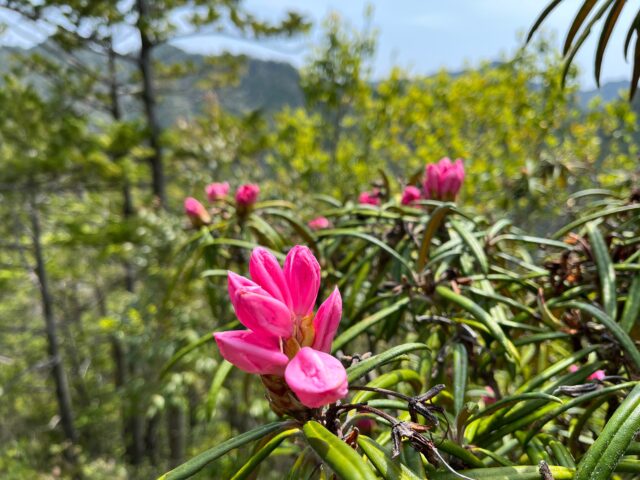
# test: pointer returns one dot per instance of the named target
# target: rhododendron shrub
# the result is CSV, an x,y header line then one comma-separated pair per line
x,y
458,337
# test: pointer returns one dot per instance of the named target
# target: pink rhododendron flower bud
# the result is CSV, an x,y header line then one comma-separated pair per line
x,y
266,272
260,312
302,272
365,425
490,398
326,321
252,352
276,305
217,191
247,195
319,223
316,378
410,195
443,179
368,198
196,212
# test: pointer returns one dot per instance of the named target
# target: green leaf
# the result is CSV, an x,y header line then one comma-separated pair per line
x,y
255,460
342,459
473,244
298,226
388,468
348,232
594,216
460,365
623,338
216,385
180,354
609,23
200,461
388,380
602,457
606,273
526,472
549,8
483,317
512,400
541,422
234,242
354,372
631,306
352,332
579,19
435,220
462,453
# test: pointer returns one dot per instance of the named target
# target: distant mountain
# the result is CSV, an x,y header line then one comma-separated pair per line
x,y
263,85
607,92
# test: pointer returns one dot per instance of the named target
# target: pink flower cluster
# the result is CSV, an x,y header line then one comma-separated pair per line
x,y
246,196
285,337
443,179
370,198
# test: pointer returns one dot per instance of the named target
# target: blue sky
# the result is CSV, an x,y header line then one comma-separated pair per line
x,y
422,36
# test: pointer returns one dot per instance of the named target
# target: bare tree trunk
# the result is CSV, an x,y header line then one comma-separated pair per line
x,y
133,421
145,65
63,395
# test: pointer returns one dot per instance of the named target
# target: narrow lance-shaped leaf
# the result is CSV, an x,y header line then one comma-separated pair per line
x,y
351,333
631,306
200,461
482,316
360,369
602,457
606,273
460,364
578,20
623,338
389,469
342,459
254,461
609,23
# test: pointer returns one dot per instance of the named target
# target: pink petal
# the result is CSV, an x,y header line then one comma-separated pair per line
x,y
235,281
326,321
302,273
217,191
597,375
445,163
252,352
432,181
266,272
260,312
317,378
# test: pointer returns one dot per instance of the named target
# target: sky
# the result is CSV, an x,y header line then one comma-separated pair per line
x,y
422,36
